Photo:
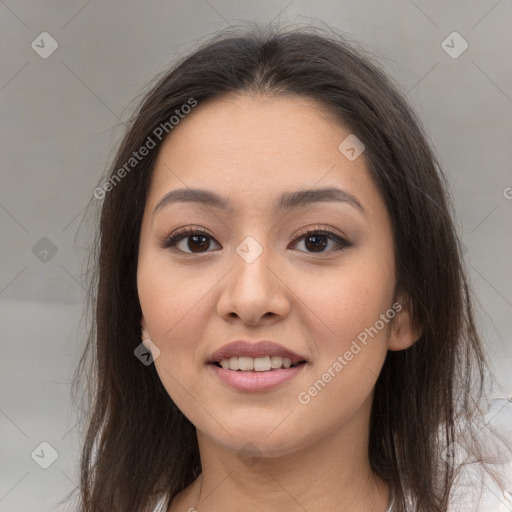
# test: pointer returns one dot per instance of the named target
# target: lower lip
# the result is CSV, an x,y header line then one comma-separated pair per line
x,y
256,381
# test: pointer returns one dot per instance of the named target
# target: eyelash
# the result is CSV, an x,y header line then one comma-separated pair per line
x,y
171,241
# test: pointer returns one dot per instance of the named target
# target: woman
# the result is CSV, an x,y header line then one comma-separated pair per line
x,y
282,317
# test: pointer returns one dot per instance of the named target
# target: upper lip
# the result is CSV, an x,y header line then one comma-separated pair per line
x,y
241,348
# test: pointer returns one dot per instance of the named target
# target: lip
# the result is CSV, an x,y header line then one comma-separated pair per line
x,y
251,380
255,381
244,348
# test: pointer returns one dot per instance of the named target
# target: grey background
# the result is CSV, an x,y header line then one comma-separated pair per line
x,y
61,117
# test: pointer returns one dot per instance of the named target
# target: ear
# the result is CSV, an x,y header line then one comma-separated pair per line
x,y
403,333
144,331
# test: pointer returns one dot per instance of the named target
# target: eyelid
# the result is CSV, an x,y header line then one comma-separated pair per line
x,y
319,228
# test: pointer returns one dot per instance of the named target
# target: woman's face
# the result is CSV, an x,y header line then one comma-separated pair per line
x,y
251,274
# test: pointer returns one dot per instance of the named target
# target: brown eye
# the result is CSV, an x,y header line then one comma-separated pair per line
x,y
189,241
317,240
197,243
316,243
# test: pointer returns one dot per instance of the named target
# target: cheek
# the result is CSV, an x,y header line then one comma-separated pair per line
x,y
173,308
350,337
350,344
349,300
170,312
173,302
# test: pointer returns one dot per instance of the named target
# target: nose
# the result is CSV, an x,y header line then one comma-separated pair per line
x,y
254,291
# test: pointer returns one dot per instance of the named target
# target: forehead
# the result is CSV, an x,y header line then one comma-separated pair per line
x,y
253,148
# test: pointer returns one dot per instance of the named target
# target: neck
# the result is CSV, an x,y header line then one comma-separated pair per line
x,y
331,474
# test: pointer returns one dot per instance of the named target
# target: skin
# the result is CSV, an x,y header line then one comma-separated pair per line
x,y
250,149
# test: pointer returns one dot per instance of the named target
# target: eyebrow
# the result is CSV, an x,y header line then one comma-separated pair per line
x,y
286,201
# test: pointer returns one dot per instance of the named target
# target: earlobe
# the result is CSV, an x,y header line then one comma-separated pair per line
x,y
403,333
144,331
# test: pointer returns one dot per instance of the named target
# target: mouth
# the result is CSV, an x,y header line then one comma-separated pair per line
x,y
255,367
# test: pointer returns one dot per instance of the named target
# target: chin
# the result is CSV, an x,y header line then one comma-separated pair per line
x,y
258,442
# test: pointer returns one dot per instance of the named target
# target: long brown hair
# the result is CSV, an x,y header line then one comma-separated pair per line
x,y
138,444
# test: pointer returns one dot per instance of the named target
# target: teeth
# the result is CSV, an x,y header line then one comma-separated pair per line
x,y
246,363
258,364
262,364
276,361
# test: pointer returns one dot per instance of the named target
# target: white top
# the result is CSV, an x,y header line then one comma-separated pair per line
x,y
475,492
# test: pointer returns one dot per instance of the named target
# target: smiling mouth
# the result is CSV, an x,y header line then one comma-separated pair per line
x,y
256,364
